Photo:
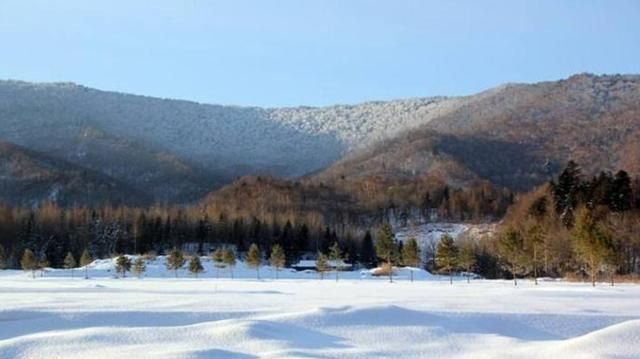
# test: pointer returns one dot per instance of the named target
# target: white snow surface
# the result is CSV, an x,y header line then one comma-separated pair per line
x,y
304,317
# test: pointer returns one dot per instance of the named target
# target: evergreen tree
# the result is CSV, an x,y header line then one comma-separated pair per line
x,y
447,256
386,247
123,265
621,196
592,245
567,191
218,260
322,265
467,258
335,255
511,248
254,259
29,262
368,252
69,262
85,260
229,259
175,260
411,254
195,265
277,258
139,267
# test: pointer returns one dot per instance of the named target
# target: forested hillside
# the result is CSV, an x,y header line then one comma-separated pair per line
x,y
515,136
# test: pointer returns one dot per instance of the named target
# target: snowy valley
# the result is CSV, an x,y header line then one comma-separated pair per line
x,y
302,316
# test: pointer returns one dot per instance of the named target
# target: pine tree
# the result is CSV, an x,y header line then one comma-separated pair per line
x,y
229,259
621,196
139,267
277,258
368,252
467,258
411,254
69,262
386,248
592,244
29,262
447,256
218,260
195,266
511,248
85,260
567,191
123,265
254,258
175,260
321,264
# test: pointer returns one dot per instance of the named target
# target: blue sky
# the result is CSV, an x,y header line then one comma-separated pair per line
x,y
275,53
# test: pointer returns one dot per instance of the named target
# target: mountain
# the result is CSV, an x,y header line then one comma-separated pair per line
x,y
227,141
27,178
514,136
510,138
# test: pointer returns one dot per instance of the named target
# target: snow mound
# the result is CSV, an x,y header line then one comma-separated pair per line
x,y
59,317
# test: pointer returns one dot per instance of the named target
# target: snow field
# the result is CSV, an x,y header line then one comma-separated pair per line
x,y
304,317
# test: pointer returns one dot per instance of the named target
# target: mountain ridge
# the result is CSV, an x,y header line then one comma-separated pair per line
x,y
177,151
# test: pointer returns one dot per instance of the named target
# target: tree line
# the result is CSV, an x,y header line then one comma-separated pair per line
x,y
577,226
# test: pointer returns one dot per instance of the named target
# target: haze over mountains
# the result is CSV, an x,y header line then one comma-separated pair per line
x,y
157,150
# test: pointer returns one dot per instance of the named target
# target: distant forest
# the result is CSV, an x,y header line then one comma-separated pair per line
x,y
573,225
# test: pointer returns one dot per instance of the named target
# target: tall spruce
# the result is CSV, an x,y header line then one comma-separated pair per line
x,y
386,248
447,256
411,255
253,259
69,262
566,192
175,260
277,258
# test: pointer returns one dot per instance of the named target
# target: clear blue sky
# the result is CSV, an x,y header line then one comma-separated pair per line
x,y
273,53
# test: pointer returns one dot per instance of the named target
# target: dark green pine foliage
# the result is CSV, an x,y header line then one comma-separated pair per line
x,y
386,248
566,192
447,256
123,265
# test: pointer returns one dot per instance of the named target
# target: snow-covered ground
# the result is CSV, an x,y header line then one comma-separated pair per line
x,y
304,317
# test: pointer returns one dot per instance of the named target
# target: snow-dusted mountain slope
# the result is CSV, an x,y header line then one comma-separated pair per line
x,y
284,141
515,135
